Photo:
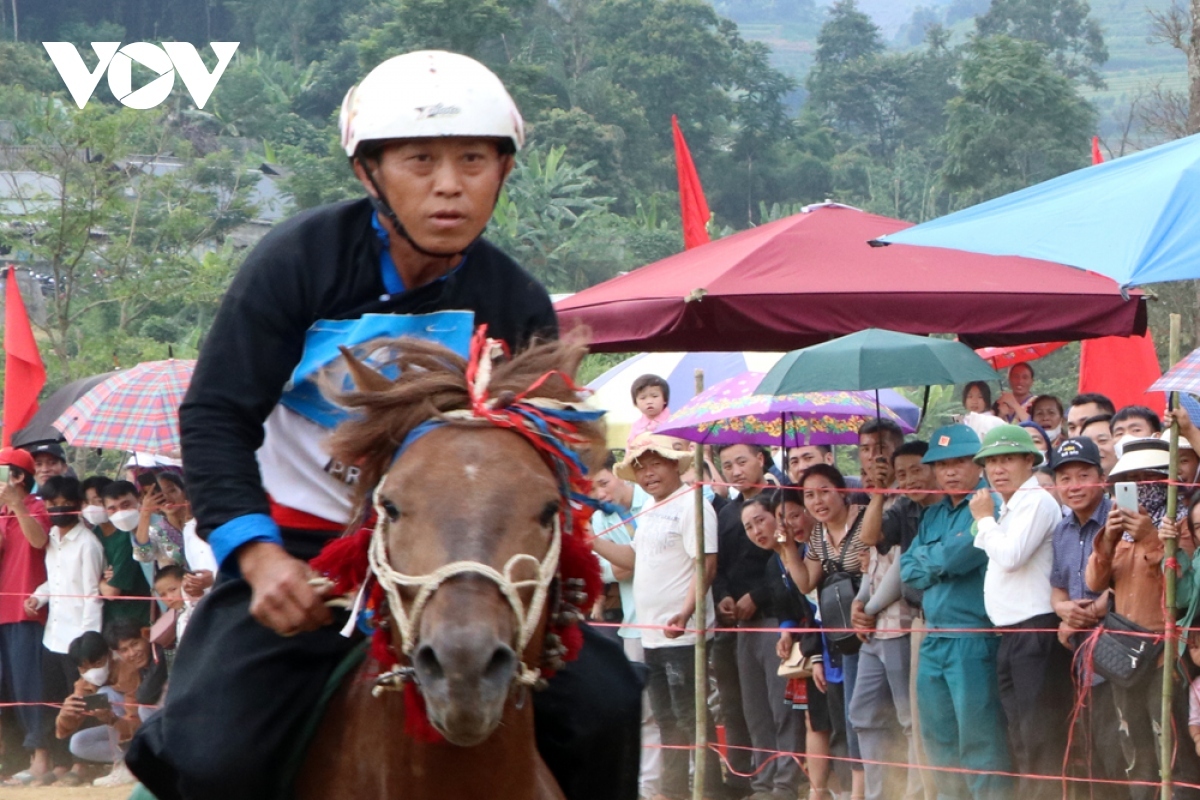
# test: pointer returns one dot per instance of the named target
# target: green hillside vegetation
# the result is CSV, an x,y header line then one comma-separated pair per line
x,y
1134,64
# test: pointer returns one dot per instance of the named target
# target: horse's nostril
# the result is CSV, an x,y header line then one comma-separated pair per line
x,y
426,663
501,665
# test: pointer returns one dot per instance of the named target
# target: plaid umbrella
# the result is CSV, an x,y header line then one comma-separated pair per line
x,y
1183,377
732,413
137,409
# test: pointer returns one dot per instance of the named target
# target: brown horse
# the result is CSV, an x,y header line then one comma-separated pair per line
x,y
463,492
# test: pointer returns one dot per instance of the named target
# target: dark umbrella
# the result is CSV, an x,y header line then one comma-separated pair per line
x,y
811,276
40,428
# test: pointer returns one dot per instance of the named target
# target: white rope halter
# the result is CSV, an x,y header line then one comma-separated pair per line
x,y
408,620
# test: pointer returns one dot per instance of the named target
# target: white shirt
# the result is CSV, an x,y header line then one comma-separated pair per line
x,y
196,552
665,550
74,565
1020,555
298,472
199,556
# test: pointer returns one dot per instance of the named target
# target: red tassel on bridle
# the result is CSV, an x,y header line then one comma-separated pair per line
x,y
416,718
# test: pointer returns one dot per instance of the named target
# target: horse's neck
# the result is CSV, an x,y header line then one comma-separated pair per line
x,y
376,758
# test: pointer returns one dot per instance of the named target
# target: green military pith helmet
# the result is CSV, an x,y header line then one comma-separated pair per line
x,y
1008,440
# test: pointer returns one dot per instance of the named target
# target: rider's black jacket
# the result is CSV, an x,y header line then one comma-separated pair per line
x,y
323,264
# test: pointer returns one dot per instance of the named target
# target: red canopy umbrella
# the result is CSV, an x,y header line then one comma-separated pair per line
x,y
1003,357
811,276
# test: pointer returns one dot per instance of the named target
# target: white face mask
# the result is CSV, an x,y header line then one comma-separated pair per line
x,y
97,676
1054,433
126,520
95,515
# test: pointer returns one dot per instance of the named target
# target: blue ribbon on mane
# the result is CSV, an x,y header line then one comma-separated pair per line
x,y
564,454
415,434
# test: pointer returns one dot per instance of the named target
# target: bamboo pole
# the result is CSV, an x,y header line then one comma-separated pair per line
x,y
701,615
1171,650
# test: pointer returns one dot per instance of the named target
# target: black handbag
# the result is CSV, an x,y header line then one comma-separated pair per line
x,y
836,597
1121,655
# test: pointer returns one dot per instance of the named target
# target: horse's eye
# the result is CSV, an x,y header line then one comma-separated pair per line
x,y
389,508
546,518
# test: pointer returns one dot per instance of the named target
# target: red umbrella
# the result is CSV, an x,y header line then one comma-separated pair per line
x,y
811,276
1002,357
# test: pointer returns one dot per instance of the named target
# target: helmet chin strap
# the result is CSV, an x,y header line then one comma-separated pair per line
x,y
381,205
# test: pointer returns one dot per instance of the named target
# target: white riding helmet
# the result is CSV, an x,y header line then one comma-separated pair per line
x,y
429,94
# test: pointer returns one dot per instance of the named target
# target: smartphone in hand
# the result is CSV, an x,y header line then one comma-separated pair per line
x,y
1125,496
97,702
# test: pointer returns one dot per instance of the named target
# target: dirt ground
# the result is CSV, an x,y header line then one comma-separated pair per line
x,y
60,793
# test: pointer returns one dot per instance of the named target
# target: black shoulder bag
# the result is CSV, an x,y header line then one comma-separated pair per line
x,y
1125,653
836,597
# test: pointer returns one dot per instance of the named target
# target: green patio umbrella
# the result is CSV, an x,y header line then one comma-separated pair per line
x,y
875,359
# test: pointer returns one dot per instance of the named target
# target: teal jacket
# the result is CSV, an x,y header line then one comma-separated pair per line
x,y
944,562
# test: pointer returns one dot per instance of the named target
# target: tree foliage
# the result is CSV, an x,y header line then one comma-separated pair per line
x,y
886,100
566,237
117,241
1073,38
1019,121
911,133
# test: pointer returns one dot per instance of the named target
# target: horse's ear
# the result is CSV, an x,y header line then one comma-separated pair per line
x,y
365,378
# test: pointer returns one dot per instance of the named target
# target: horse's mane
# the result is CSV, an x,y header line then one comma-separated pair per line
x,y
432,381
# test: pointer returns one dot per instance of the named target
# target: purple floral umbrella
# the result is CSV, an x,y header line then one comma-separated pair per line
x,y
731,413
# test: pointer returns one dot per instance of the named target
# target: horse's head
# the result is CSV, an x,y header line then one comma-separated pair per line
x,y
465,494
470,520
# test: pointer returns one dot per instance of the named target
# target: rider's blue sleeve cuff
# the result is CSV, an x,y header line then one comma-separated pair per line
x,y
242,530
787,623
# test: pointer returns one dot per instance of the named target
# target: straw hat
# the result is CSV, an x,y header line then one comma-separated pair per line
x,y
652,443
1184,444
1137,455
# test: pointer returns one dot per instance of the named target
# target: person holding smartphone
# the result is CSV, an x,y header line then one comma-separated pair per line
x,y
137,513
1127,557
101,714
24,524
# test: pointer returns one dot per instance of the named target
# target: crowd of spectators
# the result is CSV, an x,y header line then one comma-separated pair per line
x,y
98,576
951,602
936,603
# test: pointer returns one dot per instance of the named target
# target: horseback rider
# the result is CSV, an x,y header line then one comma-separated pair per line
x,y
432,137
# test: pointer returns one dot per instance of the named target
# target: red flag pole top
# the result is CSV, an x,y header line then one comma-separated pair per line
x,y
24,372
692,205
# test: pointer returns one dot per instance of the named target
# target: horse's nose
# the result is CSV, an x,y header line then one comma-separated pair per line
x,y
465,661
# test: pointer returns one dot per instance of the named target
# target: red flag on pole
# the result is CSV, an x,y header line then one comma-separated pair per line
x,y
1121,368
1097,156
24,373
692,204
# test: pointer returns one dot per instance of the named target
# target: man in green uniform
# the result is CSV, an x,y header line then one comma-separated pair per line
x,y
962,722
